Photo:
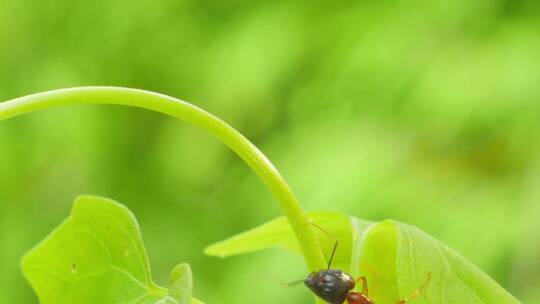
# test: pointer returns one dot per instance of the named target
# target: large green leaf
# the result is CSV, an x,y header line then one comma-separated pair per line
x,y
396,259
97,256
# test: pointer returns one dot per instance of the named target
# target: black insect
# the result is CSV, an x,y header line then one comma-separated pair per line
x,y
335,286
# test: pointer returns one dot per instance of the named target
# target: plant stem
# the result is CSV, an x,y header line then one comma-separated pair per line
x,y
195,116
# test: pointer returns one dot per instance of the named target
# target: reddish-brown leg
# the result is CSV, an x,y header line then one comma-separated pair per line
x,y
363,280
417,292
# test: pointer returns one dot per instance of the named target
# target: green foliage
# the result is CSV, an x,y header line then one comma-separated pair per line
x,y
396,259
196,116
97,256
424,112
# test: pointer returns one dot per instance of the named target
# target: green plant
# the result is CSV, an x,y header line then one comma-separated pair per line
x,y
392,255
97,256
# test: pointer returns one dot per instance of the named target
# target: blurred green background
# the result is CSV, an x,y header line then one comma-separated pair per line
x,y
427,112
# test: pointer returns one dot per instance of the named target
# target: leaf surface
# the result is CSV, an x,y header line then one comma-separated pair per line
x,y
96,256
181,284
396,259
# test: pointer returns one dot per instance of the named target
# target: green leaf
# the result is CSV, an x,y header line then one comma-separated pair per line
x,y
181,284
97,256
395,258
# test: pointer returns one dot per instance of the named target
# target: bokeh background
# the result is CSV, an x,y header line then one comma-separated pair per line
x,y
425,112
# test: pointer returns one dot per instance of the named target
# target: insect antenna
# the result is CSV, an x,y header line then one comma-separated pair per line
x,y
332,237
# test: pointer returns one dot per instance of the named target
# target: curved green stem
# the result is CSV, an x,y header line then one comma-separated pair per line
x,y
195,116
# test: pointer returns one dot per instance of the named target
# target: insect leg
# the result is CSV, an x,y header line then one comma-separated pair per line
x,y
417,292
290,284
363,280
